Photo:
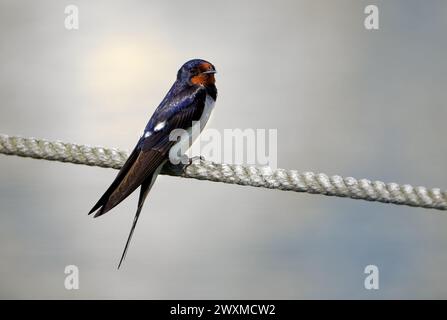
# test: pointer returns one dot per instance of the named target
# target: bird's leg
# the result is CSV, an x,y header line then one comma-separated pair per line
x,y
179,169
196,159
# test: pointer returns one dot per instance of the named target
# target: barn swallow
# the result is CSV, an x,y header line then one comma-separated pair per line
x,y
190,99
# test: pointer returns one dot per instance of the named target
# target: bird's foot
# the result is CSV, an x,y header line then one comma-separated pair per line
x,y
196,159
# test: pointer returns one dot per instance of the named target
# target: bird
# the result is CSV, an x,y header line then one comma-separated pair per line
x,y
190,100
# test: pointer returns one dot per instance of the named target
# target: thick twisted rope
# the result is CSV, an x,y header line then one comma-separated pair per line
x,y
289,180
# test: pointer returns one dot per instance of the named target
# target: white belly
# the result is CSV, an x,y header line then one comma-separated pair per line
x,y
209,106
185,142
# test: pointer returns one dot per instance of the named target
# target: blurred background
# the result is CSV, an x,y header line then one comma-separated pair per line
x,y
345,100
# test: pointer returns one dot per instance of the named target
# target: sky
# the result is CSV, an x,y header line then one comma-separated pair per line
x,y
343,100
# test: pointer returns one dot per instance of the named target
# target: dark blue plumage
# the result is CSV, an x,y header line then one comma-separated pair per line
x,y
182,105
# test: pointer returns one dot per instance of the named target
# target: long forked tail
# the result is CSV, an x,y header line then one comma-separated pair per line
x,y
145,187
144,191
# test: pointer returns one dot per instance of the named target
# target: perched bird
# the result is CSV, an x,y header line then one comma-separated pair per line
x,y
190,99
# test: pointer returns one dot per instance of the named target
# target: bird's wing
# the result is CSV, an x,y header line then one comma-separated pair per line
x,y
177,113
152,151
123,171
144,166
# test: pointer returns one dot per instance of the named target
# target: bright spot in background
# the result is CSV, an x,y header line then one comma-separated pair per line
x,y
121,70
124,78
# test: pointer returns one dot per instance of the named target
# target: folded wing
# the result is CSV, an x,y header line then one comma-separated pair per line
x,y
153,149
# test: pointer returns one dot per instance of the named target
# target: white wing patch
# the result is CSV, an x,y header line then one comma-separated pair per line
x,y
147,134
160,126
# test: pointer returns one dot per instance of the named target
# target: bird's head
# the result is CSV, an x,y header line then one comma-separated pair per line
x,y
197,72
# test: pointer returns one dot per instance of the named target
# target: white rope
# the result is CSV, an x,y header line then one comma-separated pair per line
x,y
290,180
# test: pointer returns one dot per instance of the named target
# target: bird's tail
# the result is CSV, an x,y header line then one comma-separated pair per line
x,y
144,191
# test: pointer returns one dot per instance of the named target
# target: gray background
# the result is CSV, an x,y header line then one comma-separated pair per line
x,y
344,100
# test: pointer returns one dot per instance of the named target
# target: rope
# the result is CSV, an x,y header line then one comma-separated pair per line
x,y
288,180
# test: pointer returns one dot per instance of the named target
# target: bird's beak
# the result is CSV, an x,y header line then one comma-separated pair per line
x,y
210,72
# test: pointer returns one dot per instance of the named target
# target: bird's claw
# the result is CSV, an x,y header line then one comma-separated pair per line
x,y
196,159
